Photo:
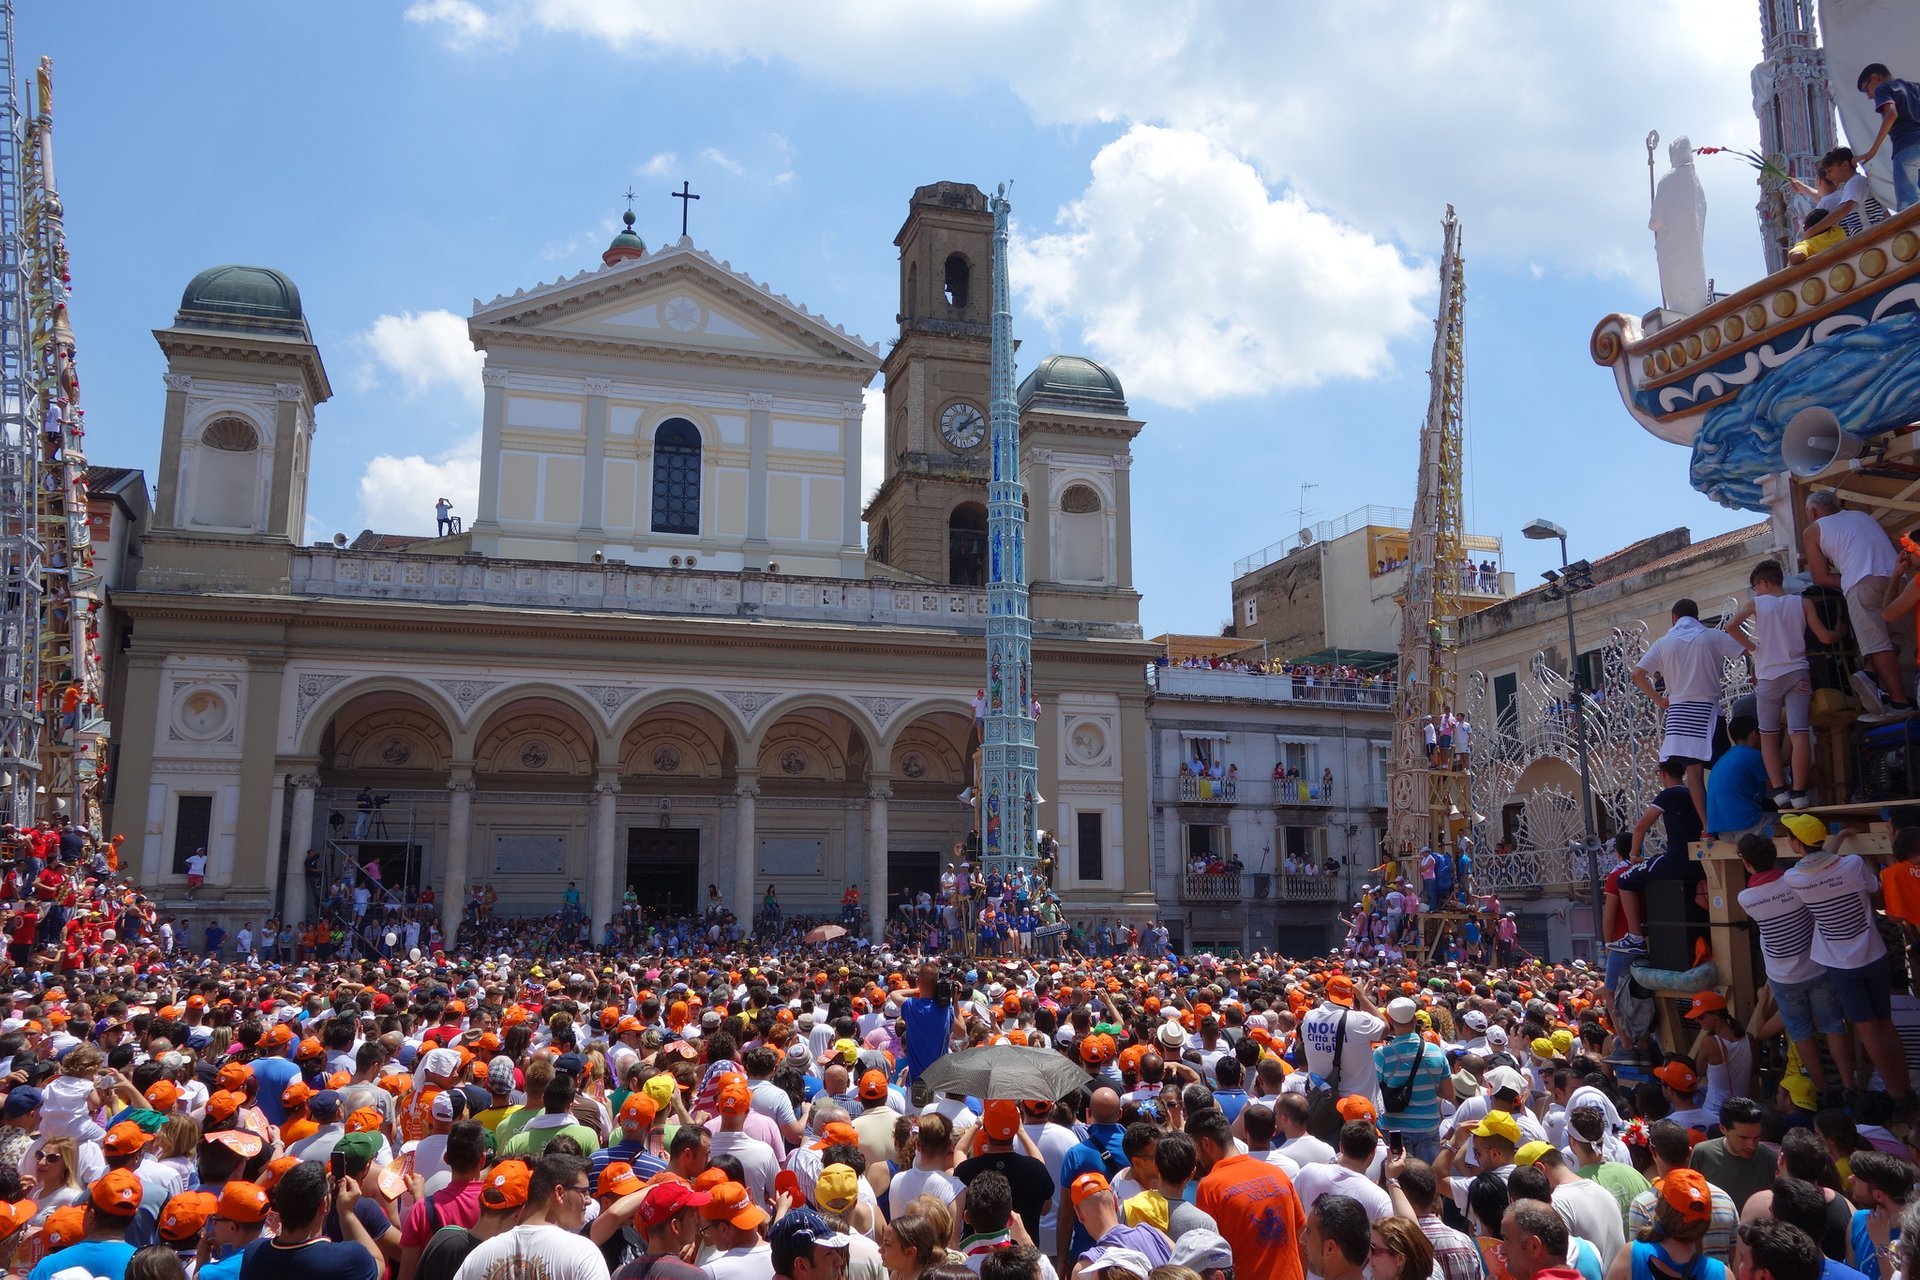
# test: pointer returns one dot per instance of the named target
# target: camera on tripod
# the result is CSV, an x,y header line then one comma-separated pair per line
x,y
381,802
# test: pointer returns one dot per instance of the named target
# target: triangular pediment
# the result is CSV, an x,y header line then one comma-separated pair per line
x,y
676,301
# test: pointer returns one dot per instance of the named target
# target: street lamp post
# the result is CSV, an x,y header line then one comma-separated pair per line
x,y
1542,531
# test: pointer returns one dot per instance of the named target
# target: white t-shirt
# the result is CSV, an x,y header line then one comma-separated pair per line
x,y
1317,1180
196,864
1318,1031
546,1250
1054,1141
1591,1213
1305,1150
758,1164
910,1184
1690,659
1779,636
1839,890
1857,545
755,1263
1786,930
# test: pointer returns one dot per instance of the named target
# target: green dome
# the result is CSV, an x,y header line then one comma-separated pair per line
x,y
258,294
1073,383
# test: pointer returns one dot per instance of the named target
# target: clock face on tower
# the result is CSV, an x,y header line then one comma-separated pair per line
x,y
962,425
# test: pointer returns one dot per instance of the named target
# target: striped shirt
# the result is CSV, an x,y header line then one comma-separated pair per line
x,y
1786,928
1455,1256
1392,1061
1839,893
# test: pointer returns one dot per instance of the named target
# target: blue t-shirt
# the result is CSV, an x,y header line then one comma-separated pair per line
x,y
929,1024
104,1258
227,1268
1905,97
320,1259
1831,1270
271,1077
1735,787
1085,1157
1233,1101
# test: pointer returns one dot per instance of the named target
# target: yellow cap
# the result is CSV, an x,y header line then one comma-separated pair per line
x,y
1806,828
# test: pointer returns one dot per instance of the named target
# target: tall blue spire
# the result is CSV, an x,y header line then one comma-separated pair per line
x,y
1010,769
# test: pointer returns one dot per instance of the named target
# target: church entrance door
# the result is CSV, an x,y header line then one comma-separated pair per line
x,y
663,866
912,871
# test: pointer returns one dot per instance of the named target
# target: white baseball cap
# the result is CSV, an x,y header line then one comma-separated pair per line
x,y
1401,1009
1476,1019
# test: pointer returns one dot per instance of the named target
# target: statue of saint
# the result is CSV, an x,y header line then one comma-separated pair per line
x,y
1679,225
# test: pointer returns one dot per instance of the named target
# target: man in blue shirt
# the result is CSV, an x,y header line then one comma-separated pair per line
x,y
1737,787
1898,104
102,1250
273,1071
929,1026
1101,1153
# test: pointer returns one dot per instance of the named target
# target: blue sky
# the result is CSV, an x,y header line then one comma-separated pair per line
x,y
1235,207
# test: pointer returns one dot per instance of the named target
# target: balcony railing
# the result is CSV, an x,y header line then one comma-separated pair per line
x,y
1194,790
1309,888
1296,793
1253,686
1529,869
1215,886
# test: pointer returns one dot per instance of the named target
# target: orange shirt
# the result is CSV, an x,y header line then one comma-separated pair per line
x,y
1900,883
1258,1214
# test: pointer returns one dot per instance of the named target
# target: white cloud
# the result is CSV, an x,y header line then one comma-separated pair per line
x,y
424,350
1180,267
660,164
720,159
464,20
397,493
1527,116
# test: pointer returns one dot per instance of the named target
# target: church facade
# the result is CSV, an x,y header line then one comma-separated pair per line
x,y
663,657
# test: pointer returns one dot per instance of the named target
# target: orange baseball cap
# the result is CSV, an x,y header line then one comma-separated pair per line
x,y
638,1111
1355,1107
734,1100
297,1094
1686,1191
223,1104
709,1178
234,1076
839,1133
364,1120
309,1048
1001,1119
124,1139
243,1202
1707,1002
1679,1076
118,1193
276,1169
873,1086
1088,1184
618,1179
163,1095
506,1185
64,1226
183,1215
278,1036
729,1202
1340,989
15,1216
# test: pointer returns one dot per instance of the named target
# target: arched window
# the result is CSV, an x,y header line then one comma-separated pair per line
x,y
1080,554
877,545
230,435
676,477
959,280
967,545
909,295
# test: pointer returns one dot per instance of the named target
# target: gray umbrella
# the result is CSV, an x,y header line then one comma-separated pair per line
x,y
1015,1072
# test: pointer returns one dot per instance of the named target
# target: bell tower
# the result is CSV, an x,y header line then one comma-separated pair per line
x,y
929,517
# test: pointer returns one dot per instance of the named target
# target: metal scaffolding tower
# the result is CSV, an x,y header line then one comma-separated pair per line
x,y
21,551
1427,805
1011,768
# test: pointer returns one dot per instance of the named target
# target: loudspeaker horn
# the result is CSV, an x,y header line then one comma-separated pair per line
x,y
1813,442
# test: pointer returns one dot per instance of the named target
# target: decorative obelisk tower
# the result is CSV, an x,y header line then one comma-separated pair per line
x,y
1010,768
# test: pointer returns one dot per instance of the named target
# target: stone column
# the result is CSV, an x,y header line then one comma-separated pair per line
x,y
453,890
166,511
493,419
874,893
746,847
286,439
593,477
1123,520
851,414
759,440
602,887
299,840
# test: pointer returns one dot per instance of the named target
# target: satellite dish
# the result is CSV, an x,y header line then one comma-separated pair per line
x,y
1306,537
1813,442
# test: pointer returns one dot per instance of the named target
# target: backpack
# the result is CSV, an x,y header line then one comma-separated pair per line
x,y
1323,1103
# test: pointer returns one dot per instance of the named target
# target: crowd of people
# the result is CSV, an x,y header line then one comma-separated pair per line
x,y
1326,682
